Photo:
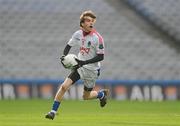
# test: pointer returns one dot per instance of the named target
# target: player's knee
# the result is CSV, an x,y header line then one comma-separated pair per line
x,y
64,87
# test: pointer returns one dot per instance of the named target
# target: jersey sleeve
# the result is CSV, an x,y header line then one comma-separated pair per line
x,y
74,39
100,48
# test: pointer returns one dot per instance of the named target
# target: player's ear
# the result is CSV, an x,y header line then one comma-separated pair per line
x,y
94,21
82,24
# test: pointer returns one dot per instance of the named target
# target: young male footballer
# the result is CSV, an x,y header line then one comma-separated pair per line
x,y
88,69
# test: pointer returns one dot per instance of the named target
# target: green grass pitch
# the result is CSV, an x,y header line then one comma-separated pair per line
x,y
88,113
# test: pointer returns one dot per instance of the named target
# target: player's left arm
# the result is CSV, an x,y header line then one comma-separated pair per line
x,y
97,58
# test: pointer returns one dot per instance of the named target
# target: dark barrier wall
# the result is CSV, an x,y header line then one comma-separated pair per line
x,y
142,90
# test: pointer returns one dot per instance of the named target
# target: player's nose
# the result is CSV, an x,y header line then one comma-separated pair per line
x,y
91,23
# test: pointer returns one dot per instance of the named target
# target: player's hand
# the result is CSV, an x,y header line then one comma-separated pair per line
x,y
80,63
62,58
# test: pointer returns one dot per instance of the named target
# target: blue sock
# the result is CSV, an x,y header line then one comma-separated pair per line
x,y
100,95
55,106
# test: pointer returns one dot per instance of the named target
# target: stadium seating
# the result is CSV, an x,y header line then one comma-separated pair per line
x,y
163,13
33,35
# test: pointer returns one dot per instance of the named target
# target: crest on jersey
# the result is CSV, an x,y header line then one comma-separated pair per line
x,y
89,43
101,46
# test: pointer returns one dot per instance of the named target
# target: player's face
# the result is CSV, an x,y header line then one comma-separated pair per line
x,y
88,24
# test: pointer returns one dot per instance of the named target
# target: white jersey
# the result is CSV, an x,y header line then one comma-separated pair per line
x,y
90,45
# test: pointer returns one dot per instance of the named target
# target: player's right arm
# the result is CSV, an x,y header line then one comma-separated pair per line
x,y
66,49
73,41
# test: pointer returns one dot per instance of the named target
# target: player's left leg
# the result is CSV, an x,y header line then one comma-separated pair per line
x,y
89,94
101,95
89,78
103,98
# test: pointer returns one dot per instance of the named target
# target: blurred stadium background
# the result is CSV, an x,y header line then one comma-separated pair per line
x,y
142,39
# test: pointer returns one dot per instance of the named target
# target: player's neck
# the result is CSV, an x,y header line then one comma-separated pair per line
x,y
85,33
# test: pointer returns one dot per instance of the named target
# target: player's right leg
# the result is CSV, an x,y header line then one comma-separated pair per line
x,y
72,78
58,98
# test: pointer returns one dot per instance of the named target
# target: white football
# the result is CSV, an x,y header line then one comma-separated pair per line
x,y
69,61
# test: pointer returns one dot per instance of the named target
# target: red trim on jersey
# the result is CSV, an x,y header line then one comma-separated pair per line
x,y
91,33
99,36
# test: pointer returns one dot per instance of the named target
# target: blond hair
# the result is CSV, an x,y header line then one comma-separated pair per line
x,y
88,13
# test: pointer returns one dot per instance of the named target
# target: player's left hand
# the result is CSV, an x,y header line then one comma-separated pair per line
x,y
80,63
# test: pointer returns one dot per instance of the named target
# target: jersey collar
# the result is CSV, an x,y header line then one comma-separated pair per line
x,y
89,33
